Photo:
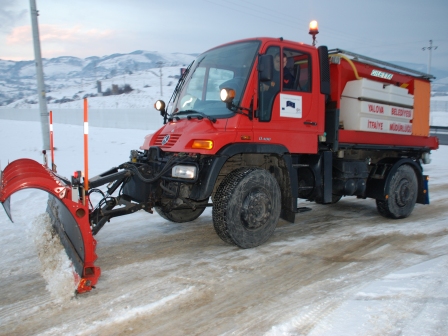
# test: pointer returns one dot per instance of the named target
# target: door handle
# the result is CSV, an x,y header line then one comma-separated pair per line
x,y
311,123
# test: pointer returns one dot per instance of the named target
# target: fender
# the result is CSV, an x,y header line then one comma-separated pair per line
x,y
378,183
209,174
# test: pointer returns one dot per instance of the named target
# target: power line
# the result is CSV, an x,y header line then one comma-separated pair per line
x,y
287,20
249,13
430,48
330,31
283,18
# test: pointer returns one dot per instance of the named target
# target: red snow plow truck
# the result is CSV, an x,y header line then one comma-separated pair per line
x,y
252,126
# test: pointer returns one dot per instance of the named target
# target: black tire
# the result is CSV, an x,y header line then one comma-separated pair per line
x,y
402,193
180,215
247,207
335,198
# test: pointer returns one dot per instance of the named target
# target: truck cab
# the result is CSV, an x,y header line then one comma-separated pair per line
x,y
276,113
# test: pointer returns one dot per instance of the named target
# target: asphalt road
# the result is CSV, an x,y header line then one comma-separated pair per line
x,y
340,269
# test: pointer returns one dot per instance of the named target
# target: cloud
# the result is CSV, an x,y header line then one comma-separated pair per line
x,y
10,16
56,34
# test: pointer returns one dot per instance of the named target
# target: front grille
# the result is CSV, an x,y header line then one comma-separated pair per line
x,y
171,142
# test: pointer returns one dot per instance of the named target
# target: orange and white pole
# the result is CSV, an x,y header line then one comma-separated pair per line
x,y
86,146
53,166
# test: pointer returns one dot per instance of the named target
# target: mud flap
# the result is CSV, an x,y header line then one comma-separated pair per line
x,y
69,218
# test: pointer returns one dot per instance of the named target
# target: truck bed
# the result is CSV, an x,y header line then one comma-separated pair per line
x,y
351,139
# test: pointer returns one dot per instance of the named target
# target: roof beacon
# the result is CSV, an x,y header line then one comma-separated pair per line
x,y
314,30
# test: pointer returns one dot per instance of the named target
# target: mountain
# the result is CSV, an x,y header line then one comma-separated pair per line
x,y
69,79
18,79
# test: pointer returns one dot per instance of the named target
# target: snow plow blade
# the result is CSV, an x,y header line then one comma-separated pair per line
x,y
69,215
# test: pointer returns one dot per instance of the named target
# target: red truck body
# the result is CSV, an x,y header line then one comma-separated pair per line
x,y
297,136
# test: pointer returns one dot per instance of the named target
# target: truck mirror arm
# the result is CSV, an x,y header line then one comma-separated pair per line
x,y
239,109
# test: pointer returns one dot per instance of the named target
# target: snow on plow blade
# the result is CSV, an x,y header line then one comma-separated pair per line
x,y
69,216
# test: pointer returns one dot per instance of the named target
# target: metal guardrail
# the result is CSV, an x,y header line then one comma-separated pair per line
x,y
439,129
439,105
441,132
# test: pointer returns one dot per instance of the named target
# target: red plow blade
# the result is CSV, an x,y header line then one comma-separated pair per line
x,y
69,215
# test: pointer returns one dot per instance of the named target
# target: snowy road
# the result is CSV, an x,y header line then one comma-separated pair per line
x,y
340,269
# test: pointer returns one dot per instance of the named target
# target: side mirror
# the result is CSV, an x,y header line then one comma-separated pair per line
x,y
265,68
325,87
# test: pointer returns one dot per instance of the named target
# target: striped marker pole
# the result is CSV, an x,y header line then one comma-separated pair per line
x,y
86,153
53,166
86,146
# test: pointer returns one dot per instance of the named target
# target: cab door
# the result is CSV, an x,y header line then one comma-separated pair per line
x,y
290,107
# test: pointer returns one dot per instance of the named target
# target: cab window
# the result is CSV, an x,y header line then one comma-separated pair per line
x,y
269,90
296,71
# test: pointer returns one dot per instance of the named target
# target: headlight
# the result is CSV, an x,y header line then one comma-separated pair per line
x,y
186,172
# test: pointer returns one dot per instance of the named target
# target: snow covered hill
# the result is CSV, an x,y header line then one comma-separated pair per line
x,y
70,79
18,79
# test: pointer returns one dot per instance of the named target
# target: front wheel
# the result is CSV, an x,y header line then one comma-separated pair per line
x,y
402,194
247,207
181,215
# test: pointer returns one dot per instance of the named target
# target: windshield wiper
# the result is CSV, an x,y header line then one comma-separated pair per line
x,y
202,115
180,83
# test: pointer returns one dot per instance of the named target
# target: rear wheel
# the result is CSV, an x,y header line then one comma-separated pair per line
x,y
247,207
335,198
402,194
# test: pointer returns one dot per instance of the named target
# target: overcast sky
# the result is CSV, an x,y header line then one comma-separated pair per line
x,y
392,30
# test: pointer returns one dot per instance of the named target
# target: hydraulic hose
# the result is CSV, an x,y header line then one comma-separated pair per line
x,y
167,167
349,62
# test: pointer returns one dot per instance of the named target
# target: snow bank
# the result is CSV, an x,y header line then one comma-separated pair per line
x,y
56,268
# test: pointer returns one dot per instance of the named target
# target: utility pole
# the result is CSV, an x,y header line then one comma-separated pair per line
x,y
44,115
430,48
160,63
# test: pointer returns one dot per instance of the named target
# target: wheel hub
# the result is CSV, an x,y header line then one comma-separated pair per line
x,y
256,210
404,194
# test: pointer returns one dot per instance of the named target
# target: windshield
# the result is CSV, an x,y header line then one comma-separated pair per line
x,y
225,67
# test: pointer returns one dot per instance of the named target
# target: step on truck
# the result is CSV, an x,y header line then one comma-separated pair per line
x,y
253,126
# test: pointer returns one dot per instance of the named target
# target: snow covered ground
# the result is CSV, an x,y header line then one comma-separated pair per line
x,y
439,111
145,84
340,269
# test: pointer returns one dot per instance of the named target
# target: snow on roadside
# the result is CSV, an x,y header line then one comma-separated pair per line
x,y
56,268
125,315
373,309
377,303
118,316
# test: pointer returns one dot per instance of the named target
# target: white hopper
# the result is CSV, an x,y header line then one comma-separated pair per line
x,y
372,106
